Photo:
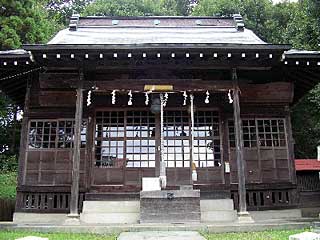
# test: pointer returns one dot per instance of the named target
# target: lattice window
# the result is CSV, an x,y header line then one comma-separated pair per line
x,y
141,143
271,132
249,133
177,138
232,137
260,132
129,139
125,139
207,149
54,134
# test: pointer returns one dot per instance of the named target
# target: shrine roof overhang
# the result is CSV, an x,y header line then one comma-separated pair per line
x,y
205,55
17,67
300,67
303,69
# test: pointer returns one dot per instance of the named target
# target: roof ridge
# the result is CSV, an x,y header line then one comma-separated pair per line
x,y
160,17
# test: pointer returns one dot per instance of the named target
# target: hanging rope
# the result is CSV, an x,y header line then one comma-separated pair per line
x,y
192,125
20,74
163,179
161,128
194,173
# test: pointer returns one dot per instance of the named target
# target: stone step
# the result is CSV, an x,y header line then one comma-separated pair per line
x,y
110,218
170,206
305,236
275,214
219,216
112,196
186,187
207,205
111,207
316,227
161,235
109,212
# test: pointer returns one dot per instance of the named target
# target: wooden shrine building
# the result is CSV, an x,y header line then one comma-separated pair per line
x,y
200,102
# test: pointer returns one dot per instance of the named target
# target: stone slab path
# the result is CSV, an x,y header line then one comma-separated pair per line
x,y
161,235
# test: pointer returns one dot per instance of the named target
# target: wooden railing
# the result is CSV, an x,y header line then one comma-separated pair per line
x,y
268,199
58,202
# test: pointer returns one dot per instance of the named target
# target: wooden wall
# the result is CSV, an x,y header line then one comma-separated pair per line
x,y
52,167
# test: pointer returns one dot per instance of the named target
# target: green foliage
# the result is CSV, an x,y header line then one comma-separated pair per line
x,y
287,22
270,235
9,126
306,124
24,21
216,8
255,12
61,10
8,183
11,235
137,8
8,163
296,23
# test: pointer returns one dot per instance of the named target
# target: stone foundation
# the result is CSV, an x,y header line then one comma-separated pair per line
x,y
176,206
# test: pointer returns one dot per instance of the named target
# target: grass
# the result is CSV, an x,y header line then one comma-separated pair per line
x,y
12,235
265,235
8,184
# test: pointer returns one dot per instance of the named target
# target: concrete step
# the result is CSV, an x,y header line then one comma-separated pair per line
x,y
275,214
219,216
174,206
107,212
316,227
217,210
112,196
111,207
161,235
110,218
207,205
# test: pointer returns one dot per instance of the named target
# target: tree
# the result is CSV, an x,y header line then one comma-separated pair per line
x,y
306,124
216,8
24,21
138,8
255,12
61,10
9,134
287,23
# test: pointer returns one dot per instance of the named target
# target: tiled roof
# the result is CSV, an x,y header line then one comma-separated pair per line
x,y
155,30
307,164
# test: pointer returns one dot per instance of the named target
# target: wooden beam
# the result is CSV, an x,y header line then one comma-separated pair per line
x,y
178,84
239,144
76,151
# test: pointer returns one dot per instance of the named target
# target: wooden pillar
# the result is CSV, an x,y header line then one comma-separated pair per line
x,y
24,139
290,143
158,144
239,145
76,151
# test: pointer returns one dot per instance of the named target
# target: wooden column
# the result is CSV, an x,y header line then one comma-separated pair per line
x,y
76,151
239,145
290,143
158,144
24,139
